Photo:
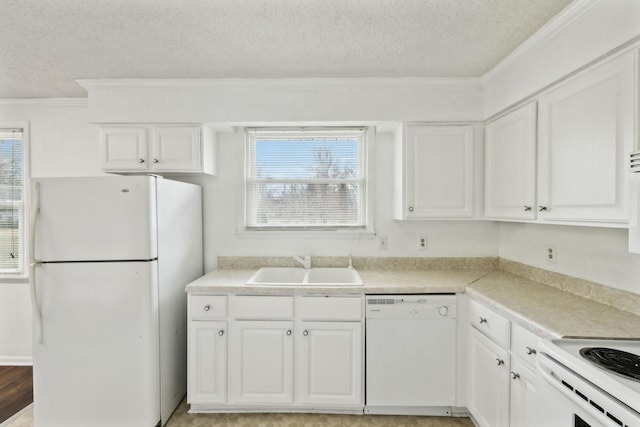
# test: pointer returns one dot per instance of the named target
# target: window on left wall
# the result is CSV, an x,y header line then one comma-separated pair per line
x,y
12,206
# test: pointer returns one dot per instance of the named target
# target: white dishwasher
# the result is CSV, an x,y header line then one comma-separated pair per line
x,y
410,354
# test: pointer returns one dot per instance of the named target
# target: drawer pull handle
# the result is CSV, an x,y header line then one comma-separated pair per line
x,y
542,208
305,333
207,307
156,160
531,350
221,332
483,320
288,331
499,362
514,375
140,160
527,208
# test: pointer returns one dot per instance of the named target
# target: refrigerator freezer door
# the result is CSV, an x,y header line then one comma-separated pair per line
x,y
98,362
95,219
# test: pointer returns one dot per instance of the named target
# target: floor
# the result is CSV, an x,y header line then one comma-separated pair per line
x,y
16,390
183,419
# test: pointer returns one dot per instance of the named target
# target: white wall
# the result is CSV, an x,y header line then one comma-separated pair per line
x,y
62,143
591,253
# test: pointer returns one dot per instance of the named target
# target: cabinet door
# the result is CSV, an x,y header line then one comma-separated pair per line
x,y
124,148
438,172
586,134
488,382
207,362
176,149
523,388
329,363
261,362
510,158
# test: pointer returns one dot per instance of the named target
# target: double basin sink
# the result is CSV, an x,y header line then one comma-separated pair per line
x,y
292,276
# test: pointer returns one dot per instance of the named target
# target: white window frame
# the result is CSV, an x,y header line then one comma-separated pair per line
x,y
366,156
22,271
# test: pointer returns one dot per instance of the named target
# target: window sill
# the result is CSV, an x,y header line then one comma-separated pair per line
x,y
329,234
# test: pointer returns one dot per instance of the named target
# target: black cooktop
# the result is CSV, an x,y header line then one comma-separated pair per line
x,y
617,361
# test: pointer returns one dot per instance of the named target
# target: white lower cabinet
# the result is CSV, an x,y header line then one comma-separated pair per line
x,y
261,362
329,363
276,360
488,385
207,362
523,388
501,370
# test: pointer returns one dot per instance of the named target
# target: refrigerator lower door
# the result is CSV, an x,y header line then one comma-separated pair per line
x,y
95,218
97,364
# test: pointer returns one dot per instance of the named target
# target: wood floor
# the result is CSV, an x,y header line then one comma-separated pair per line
x,y
16,389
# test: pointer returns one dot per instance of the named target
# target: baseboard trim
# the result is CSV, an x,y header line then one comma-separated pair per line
x,y
16,361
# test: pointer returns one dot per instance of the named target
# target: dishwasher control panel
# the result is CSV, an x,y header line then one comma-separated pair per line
x,y
411,306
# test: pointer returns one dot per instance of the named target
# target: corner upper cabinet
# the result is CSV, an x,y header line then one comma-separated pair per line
x,y
434,172
510,161
157,149
586,132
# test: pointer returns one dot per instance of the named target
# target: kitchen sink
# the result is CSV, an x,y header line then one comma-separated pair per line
x,y
292,276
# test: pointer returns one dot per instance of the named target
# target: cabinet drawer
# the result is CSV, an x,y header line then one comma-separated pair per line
x,y
489,323
329,308
207,307
261,307
524,344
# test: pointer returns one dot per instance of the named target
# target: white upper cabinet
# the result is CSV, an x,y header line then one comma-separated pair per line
x,y
157,149
573,170
510,159
124,148
586,129
434,172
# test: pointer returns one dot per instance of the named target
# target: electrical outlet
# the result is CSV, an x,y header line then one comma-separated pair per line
x,y
382,243
552,254
422,243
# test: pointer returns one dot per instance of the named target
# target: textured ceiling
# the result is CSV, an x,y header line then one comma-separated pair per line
x,y
46,44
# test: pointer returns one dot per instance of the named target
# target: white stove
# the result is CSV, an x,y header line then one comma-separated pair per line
x,y
574,389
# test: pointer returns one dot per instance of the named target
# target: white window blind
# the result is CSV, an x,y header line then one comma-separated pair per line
x,y
306,179
11,200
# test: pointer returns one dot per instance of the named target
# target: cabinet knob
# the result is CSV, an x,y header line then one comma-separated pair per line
x,y
410,208
542,208
288,331
483,320
499,362
527,208
221,332
305,333
514,375
206,307
156,160
140,160
531,350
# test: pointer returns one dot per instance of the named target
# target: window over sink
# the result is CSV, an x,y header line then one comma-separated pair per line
x,y
306,179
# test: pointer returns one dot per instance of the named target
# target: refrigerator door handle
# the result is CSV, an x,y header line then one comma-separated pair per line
x,y
33,263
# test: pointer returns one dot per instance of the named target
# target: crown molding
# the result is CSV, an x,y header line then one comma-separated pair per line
x,y
552,28
306,83
45,101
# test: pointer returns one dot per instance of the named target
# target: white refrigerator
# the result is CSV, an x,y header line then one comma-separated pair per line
x,y
110,259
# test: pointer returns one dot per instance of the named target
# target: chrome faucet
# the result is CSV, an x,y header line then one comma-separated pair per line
x,y
306,261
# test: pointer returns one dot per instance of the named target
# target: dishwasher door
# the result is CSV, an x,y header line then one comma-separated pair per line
x,y
410,354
